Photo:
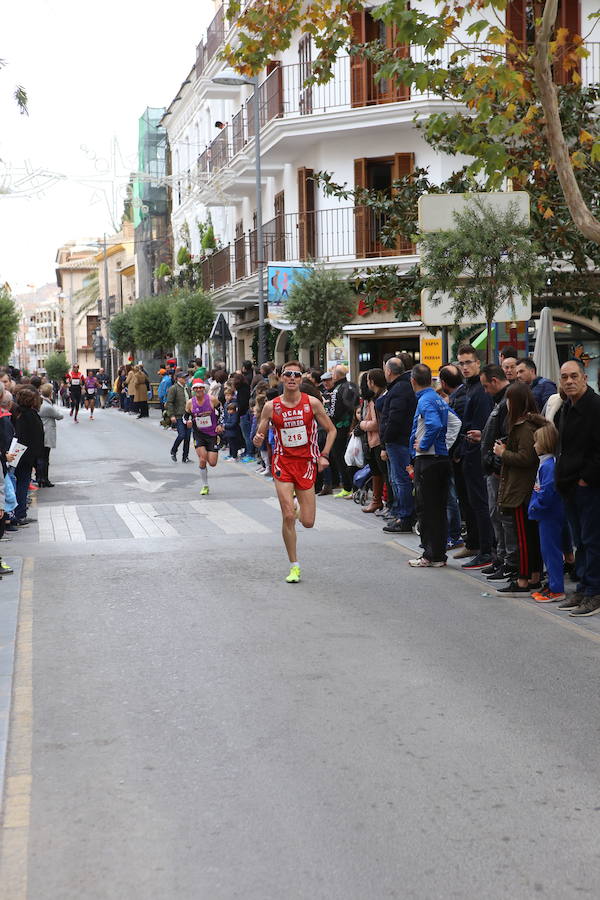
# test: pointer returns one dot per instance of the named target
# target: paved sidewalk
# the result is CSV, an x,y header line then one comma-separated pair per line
x,y
10,587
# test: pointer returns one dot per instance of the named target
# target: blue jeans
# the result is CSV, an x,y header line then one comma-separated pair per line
x,y
551,531
23,476
453,511
403,506
183,434
246,425
582,512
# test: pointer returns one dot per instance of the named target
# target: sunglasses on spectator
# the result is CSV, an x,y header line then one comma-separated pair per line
x,y
291,374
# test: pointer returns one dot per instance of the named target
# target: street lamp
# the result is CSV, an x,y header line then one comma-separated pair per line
x,y
230,76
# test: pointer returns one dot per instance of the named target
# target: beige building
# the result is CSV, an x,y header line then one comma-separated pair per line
x,y
75,266
116,276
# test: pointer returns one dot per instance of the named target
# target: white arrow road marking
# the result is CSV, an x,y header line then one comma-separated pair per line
x,y
144,484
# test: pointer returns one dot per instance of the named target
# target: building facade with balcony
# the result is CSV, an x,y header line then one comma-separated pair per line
x,y
358,129
117,288
75,266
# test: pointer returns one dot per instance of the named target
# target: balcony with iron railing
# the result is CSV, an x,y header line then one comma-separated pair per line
x,y
215,37
338,235
284,94
354,84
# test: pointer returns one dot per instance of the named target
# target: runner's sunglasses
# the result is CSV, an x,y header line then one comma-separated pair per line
x,y
291,374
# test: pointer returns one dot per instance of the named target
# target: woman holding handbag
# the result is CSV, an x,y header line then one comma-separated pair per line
x,y
369,425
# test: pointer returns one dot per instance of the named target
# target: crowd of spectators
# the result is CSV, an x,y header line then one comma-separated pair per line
x,y
492,463
28,416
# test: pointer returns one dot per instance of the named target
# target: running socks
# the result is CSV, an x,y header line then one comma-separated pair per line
x,y
204,476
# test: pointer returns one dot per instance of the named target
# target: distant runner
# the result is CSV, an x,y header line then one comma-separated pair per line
x,y
91,387
75,382
201,407
296,457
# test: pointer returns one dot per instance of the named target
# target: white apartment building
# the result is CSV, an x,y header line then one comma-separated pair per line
x,y
47,331
40,328
360,131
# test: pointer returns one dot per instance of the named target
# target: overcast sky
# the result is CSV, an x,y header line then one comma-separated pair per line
x,y
89,74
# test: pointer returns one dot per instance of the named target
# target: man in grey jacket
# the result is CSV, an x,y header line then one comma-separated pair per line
x,y
177,397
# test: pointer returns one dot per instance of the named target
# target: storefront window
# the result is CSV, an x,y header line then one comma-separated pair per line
x,y
371,353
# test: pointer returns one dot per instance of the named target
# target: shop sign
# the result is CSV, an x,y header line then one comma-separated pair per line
x,y
380,305
432,354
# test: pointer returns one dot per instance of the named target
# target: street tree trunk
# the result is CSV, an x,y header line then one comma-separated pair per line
x,y
587,224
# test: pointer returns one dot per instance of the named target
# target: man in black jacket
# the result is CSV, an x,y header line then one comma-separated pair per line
x,y
578,480
395,425
478,406
342,403
506,558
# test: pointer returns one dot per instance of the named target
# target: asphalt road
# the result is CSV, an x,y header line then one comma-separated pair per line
x,y
196,729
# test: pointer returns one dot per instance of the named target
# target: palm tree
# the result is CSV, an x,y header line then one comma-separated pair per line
x,y
88,296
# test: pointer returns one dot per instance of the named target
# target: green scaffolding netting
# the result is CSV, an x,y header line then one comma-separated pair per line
x,y
148,189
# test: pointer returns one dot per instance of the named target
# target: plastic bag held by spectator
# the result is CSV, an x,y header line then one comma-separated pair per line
x,y
354,455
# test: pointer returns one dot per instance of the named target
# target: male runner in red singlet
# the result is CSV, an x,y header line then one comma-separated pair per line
x,y
296,457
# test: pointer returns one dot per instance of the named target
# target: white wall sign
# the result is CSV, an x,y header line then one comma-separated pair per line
x,y
441,313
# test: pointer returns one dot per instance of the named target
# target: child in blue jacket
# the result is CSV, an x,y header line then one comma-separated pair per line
x,y
547,509
231,425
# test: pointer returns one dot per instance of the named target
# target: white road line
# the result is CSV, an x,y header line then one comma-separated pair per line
x,y
137,531
148,524
164,527
229,519
325,521
74,525
46,530
59,524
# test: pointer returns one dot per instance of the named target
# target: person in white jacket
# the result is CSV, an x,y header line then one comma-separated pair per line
x,y
49,414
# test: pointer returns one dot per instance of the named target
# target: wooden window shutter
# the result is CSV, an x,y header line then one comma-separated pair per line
x,y
306,214
272,102
279,210
404,164
358,65
361,213
516,19
568,17
396,90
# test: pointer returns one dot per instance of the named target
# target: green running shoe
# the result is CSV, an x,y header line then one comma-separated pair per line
x,y
294,576
204,490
